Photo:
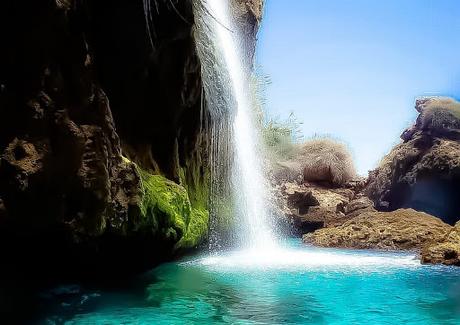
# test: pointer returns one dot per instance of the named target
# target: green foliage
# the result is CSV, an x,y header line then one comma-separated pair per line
x,y
281,137
166,207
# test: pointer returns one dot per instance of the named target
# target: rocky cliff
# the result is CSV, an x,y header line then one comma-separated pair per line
x,y
423,172
103,164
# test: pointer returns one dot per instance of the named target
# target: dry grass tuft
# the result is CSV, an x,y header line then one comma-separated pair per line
x,y
326,160
440,113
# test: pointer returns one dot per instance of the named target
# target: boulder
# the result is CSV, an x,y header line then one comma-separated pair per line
x,y
400,229
445,251
359,205
311,206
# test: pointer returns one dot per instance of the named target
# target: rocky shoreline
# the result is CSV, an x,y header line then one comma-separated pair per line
x,y
409,202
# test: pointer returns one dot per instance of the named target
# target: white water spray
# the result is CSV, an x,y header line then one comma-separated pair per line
x,y
249,186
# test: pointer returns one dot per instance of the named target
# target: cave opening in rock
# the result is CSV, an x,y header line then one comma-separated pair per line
x,y
437,196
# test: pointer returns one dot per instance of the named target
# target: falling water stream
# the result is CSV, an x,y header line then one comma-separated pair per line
x,y
248,186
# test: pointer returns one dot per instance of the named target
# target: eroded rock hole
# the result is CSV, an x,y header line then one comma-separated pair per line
x,y
436,196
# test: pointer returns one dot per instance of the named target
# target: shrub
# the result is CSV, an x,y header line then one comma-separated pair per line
x,y
439,113
326,160
281,137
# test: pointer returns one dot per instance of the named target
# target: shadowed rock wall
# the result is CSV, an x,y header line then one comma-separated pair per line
x,y
89,103
423,172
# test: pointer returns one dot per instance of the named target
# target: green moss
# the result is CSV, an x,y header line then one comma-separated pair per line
x,y
167,209
196,185
197,229
165,205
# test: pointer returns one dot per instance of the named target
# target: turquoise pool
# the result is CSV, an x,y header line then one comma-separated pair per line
x,y
292,285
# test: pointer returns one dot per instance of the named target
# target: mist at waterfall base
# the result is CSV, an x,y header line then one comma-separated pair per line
x,y
263,281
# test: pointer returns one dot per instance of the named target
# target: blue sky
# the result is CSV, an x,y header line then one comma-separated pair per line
x,y
352,68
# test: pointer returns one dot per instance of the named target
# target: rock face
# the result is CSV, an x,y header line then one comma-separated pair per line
x,y
311,206
67,191
317,186
423,172
400,229
444,251
103,167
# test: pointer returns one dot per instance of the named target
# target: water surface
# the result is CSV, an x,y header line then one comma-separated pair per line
x,y
293,285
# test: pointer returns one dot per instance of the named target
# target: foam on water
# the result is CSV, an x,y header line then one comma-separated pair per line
x,y
306,258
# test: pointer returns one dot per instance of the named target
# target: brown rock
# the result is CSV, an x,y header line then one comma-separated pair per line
x,y
401,229
423,172
358,206
446,251
311,206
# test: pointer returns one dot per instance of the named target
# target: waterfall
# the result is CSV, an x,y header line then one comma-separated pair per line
x,y
230,100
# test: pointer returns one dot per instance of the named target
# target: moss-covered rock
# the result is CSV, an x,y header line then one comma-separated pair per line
x,y
197,229
165,206
166,209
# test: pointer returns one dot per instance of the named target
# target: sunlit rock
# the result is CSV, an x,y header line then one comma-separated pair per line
x,y
444,251
401,229
311,206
